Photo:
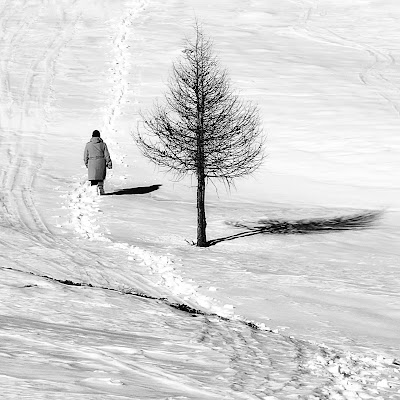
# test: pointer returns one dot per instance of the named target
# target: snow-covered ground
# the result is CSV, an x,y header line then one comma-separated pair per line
x,y
98,294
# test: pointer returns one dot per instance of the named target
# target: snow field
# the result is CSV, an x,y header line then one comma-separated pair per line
x,y
83,201
162,266
352,376
84,205
74,322
150,356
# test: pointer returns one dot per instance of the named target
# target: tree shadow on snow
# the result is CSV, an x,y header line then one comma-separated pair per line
x,y
135,190
302,226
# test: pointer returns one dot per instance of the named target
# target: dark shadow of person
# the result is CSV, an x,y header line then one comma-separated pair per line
x,y
135,190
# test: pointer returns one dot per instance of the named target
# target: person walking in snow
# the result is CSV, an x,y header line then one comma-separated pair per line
x,y
97,158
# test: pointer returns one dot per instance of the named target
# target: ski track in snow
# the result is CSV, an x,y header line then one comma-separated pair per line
x,y
373,75
24,161
303,369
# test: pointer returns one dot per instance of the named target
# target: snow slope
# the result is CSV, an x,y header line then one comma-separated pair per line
x,y
103,297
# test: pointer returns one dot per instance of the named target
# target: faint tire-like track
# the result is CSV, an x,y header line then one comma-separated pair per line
x,y
373,75
26,115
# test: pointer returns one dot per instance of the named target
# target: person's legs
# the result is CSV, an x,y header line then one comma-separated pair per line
x,y
100,185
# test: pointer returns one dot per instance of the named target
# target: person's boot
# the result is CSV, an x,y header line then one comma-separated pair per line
x,y
100,185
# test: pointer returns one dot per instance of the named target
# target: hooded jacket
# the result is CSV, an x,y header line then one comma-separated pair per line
x,y
97,158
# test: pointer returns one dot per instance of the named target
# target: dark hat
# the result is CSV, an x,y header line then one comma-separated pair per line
x,y
96,133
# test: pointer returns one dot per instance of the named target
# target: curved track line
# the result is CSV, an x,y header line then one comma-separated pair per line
x,y
373,75
17,181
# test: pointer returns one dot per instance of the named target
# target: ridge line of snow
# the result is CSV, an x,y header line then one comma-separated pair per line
x,y
352,376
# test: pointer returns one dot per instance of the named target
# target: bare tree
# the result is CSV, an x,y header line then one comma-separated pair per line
x,y
204,129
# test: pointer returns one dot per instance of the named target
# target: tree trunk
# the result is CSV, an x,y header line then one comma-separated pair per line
x,y
201,213
201,187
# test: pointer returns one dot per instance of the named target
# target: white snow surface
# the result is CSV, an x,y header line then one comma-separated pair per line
x,y
98,294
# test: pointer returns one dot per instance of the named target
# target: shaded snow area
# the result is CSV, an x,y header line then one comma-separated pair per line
x,y
104,297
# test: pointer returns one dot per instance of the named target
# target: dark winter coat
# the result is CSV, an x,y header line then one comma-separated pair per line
x,y
97,158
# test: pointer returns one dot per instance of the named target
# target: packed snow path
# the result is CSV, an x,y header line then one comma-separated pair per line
x,y
86,314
